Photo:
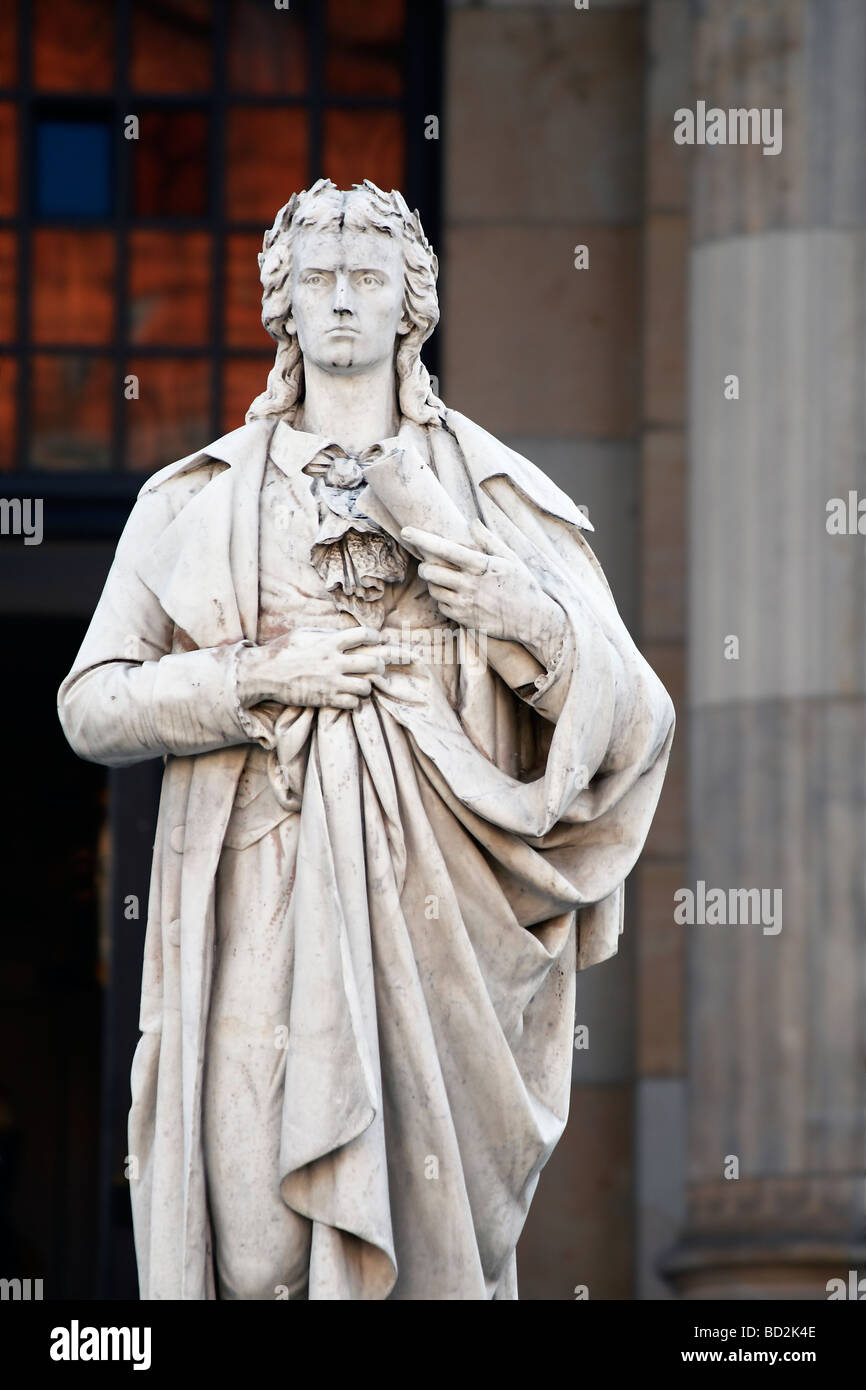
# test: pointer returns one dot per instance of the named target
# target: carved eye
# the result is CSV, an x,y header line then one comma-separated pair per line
x,y
312,279
370,280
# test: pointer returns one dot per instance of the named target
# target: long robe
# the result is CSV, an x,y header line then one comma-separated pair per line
x,y
458,858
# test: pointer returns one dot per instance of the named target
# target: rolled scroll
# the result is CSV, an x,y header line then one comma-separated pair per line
x,y
404,491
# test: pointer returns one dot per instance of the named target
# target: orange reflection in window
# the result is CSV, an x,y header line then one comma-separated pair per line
x,y
170,418
364,47
357,21
267,159
267,49
73,286
243,304
70,412
244,378
73,45
169,284
364,145
170,170
8,283
8,412
8,159
8,43
171,45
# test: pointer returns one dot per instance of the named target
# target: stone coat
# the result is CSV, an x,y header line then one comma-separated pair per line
x,y
457,861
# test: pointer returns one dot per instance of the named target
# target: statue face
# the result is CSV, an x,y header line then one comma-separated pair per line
x,y
347,298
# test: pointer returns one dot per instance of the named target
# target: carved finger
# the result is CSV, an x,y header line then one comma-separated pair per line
x,y
362,663
355,685
441,575
355,636
450,551
441,595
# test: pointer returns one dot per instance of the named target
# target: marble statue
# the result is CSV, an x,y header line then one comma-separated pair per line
x,y
411,754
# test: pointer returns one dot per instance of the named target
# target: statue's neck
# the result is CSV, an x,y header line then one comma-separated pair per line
x,y
355,411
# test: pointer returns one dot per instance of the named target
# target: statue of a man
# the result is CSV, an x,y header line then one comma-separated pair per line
x,y
411,754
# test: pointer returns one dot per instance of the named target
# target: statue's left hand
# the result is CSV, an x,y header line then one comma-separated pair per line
x,y
490,590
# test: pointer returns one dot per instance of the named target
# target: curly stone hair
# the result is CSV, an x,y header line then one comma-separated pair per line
x,y
364,208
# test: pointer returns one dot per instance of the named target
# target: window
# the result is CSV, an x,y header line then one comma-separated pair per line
x,y
145,146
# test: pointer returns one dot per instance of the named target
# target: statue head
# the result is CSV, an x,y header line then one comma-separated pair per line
x,y
393,309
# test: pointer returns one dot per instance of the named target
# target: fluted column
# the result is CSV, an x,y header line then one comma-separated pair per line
x,y
777,627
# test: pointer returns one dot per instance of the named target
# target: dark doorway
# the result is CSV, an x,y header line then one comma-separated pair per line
x,y
52,970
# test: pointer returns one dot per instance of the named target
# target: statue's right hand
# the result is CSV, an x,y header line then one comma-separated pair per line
x,y
311,667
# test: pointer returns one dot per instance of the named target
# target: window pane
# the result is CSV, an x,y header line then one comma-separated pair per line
x,y
364,47
364,145
8,43
244,378
8,413
70,415
243,321
73,286
170,170
73,45
267,48
8,282
171,45
169,283
171,416
267,148
74,169
8,159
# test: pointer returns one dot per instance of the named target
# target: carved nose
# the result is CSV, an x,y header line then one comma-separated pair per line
x,y
341,295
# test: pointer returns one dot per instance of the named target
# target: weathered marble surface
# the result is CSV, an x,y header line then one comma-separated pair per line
x,y
379,859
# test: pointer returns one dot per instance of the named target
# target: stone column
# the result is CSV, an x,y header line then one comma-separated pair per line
x,y
777,715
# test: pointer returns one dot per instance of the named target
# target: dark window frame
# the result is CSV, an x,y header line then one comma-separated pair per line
x,y
94,504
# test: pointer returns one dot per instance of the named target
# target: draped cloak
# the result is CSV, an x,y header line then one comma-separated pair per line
x,y
459,857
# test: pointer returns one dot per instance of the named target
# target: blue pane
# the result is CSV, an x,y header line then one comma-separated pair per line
x,y
73,169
